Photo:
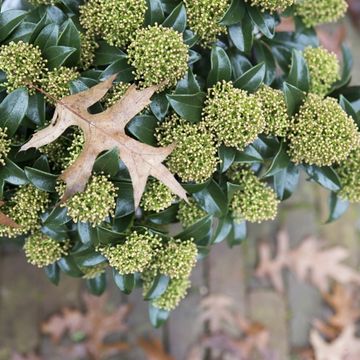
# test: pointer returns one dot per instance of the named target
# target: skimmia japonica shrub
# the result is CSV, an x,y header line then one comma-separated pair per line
x,y
244,108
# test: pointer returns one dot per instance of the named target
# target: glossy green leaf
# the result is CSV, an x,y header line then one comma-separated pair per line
x,y
87,234
125,201
264,54
106,54
264,21
338,207
294,98
220,66
36,109
252,79
57,217
346,105
188,84
241,35
9,21
227,157
299,72
142,127
47,37
13,109
68,266
126,283
157,316
58,55
158,287
52,272
154,13
234,13
108,162
70,37
177,19
97,285
280,162
188,107
238,233
212,199
325,176
13,174
223,230
286,181
164,217
107,236
42,180
122,68
160,106
201,232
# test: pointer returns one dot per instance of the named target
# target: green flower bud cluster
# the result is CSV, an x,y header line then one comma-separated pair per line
x,y
255,201
194,158
232,115
22,63
56,83
204,18
116,93
41,250
320,11
176,259
56,153
189,213
5,143
93,271
272,5
156,197
274,110
324,69
24,207
95,204
135,255
87,50
43,2
75,148
175,292
113,20
349,173
158,55
322,133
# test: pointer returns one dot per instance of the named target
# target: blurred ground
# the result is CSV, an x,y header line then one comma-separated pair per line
x,y
27,298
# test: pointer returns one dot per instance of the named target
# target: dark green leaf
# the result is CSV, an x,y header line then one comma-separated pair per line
x,y
158,287
9,21
238,233
338,207
188,84
97,285
107,236
234,14
143,128
40,179
252,79
220,66
166,216
70,37
264,54
264,21
126,283
120,67
346,105
52,272
241,35
36,109
106,54
58,55
154,13
280,162
159,106
125,201
200,231
48,37
299,72
157,316
227,156
87,234
13,174
108,162
177,19
188,107
286,181
69,267
223,230
325,176
294,98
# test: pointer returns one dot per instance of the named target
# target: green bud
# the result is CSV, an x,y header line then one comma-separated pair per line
x,y
189,213
135,254
271,5
41,250
255,202
24,207
158,55
194,157
87,50
74,150
156,197
274,111
320,11
322,133
349,173
113,20
116,93
176,259
56,83
5,143
204,17
232,115
175,292
95,204
324,69
22,63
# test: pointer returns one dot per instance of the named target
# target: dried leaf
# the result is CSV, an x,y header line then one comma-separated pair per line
x,y
308,261
106,131
345,347
96,324
5,220
154,350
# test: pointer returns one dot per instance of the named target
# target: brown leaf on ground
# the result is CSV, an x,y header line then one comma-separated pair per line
x,y
229,332
6,220
95,324
344,303
31,356
345,347
154,350
309,262
106,131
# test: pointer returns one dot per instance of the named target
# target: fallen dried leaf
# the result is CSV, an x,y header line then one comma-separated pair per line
x,y
308,261
106,131
5,220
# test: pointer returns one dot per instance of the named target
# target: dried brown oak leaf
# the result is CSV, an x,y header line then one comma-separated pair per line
x,y
95,323
345,347
308,261
106,131
6,220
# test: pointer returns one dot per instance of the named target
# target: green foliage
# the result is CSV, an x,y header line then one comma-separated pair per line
x,y
246,108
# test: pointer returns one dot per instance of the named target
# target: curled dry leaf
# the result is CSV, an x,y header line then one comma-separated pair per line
x,y
345,347
106,131
96,324
5,220
308,261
